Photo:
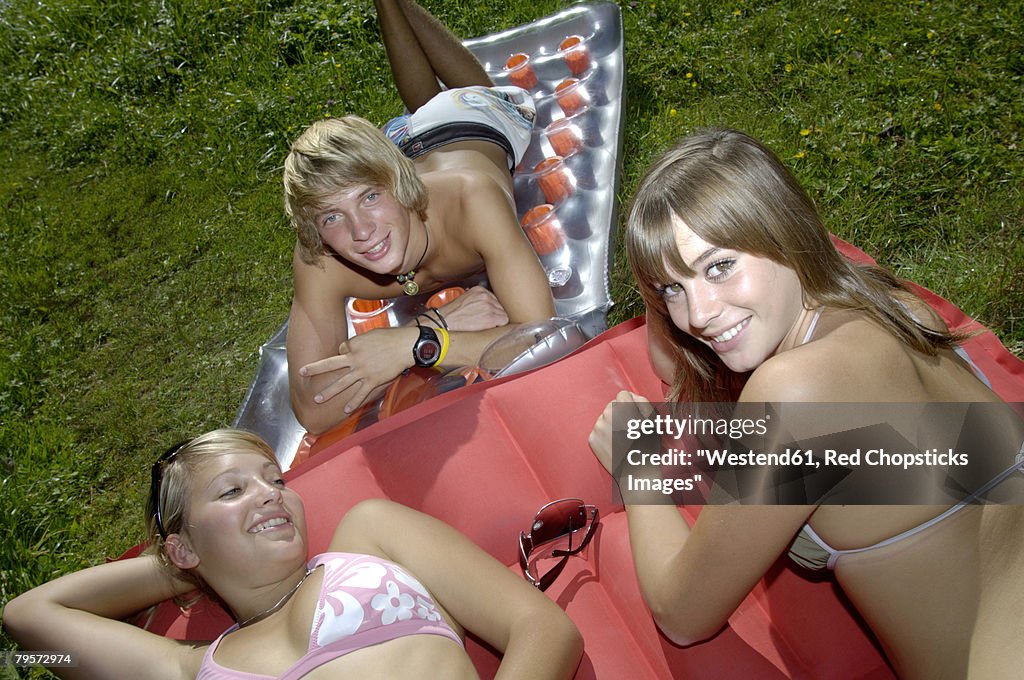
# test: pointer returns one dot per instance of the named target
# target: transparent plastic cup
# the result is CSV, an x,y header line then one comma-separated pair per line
x,y
575,53
520,71
555,179
565,282
572,96
365,315
565,137
543,228
443,297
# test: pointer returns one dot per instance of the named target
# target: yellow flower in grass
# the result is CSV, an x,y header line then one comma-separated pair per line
x,y
789,68
804,132
737,12
937,106
672,112
799,154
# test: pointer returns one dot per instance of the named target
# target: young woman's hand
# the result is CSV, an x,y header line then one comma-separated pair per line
x,y
628,406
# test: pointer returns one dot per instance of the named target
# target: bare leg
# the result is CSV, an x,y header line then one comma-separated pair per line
x,y
422,50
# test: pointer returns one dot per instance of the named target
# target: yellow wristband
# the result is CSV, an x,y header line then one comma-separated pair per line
x,y
446,342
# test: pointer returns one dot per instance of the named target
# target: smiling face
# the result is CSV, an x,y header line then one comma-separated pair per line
x,y
744,307
366,226
240,513
732,191
343,152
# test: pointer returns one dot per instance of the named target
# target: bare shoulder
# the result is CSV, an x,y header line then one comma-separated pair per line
x,y
796,375
923,312
474,204
310,272
466,186
479,191
356,531
856,361
325,279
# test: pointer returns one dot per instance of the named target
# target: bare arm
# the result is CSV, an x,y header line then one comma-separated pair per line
x,y
536,637
693,579
316,329
517,279
513,270
79,613
329,374
323,363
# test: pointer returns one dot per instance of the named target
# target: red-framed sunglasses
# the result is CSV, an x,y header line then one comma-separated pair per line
x,y
558,519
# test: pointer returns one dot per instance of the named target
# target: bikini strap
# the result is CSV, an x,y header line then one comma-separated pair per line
x,y
814,324
1018,466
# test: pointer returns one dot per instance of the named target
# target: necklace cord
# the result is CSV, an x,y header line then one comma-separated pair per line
x,y
409,285
277,605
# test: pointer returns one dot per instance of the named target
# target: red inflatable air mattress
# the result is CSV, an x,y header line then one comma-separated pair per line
x,y
484,458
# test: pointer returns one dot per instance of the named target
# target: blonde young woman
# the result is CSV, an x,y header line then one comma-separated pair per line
x,y
392,597
749,301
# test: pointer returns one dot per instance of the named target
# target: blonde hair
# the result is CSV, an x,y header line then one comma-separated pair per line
x,y
333,155
733,192
178,474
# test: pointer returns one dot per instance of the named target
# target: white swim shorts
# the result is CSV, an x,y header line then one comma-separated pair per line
x,y
501,115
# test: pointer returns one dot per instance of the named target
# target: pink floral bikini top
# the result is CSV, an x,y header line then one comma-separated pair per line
x,y
364,601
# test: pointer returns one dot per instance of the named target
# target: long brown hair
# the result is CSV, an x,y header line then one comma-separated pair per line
x,y
733,192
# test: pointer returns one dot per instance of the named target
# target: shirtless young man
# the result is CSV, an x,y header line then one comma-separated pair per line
x,y
373,223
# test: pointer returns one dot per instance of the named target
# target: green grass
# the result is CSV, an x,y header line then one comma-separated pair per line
x,y
145,256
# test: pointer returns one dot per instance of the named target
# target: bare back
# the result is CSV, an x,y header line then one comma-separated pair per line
x,y
473,156
945,602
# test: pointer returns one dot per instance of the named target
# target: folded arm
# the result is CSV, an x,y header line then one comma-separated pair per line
x,y
537,639
693,579
330,375
80,614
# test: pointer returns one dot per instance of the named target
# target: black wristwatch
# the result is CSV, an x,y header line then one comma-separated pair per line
x,y
427,349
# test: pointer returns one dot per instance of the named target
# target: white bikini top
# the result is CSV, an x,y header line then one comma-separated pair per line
x,y
811,551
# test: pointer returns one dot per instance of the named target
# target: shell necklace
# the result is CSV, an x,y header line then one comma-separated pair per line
x,y
409,286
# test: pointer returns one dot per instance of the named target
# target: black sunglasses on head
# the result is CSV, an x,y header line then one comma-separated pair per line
x,y
555,520
156,477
